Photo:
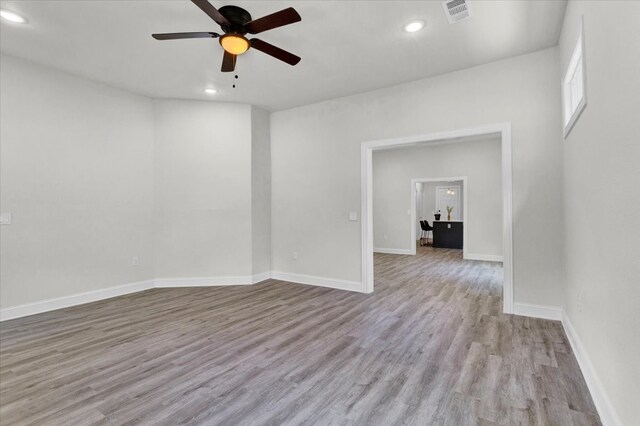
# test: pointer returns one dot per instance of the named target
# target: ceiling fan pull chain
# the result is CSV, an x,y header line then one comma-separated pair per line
x,y
236,77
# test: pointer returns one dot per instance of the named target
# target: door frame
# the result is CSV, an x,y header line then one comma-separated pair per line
x,y
503,130
414,213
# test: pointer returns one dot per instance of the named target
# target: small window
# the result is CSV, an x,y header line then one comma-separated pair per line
x,y
574,89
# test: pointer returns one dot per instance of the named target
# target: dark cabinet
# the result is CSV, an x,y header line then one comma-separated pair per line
x,y
447,234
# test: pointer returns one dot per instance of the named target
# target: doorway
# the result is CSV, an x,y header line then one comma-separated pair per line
x,y
448,197
501,130
459,185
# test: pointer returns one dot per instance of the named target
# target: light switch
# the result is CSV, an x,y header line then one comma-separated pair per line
x,y
5,218
353,216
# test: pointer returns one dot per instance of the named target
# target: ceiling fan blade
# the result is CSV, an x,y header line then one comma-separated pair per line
x,y
176,36
274,51
278,19
213,13
228,62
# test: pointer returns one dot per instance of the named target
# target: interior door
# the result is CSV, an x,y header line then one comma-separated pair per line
x,y
448,196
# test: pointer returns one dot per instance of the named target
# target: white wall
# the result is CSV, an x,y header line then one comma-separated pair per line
x,y
316,165
76,172
260,191
202,189
478,160
602,159
94,176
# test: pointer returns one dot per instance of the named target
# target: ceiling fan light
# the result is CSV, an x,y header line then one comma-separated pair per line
x,y
234,44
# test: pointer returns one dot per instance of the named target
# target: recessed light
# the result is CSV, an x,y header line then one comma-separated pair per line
x,y
210,91
414,26
12,16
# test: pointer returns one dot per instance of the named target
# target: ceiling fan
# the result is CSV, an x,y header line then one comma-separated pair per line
x,y
236,22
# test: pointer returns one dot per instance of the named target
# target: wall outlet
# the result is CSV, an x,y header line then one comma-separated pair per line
x,y
353,216
135,261
385,236
294,255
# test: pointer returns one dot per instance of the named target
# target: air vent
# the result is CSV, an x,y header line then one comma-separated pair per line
x,y
456,10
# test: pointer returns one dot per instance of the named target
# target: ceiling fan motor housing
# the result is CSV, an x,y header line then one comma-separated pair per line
x,y
237,18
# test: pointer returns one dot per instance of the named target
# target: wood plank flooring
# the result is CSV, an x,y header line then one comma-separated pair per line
x,y
430,346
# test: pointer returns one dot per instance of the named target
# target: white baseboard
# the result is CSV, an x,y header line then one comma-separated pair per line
x,y
484,257
392,251
211,281
93,296
256,278
538,311
318,281
72,300
607,412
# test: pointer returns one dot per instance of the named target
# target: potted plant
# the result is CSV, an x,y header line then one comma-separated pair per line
x,y
437,215
449,210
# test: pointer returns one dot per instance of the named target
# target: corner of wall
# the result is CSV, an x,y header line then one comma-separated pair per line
x,y
260,191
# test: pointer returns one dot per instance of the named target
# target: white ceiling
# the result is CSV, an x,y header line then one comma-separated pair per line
x,y
347,47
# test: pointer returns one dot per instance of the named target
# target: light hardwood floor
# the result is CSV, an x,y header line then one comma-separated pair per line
x,y
430,346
